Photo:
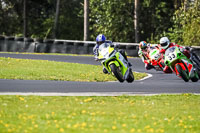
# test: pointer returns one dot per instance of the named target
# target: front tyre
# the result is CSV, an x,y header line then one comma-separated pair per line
x,y
182,73
130,78
116,71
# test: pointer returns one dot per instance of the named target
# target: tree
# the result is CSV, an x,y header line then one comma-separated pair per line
x,y
86,20
56,19
136,20
186,27
113,18
157,19
25,19
11,17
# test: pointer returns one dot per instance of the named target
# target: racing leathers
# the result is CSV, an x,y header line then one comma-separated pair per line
x,y
144,55
96,53
96,50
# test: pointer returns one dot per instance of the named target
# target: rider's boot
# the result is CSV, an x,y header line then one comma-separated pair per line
x,y
148,66
129,64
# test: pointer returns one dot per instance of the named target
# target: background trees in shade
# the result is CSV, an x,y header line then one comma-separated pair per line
x,y
177,19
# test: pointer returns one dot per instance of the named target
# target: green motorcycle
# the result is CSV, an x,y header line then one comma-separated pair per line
x,y
115,63
180,64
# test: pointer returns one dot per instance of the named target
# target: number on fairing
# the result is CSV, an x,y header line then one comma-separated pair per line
x,y
172,56
156,56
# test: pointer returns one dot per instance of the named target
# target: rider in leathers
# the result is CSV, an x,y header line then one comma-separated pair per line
x,y
143,52
100,39
165,44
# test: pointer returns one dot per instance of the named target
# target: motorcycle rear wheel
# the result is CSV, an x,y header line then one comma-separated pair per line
x,y
194,79
182,73
196,61
130,78
116,71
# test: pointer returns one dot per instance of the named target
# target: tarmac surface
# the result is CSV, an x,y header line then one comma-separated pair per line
x,y
157,83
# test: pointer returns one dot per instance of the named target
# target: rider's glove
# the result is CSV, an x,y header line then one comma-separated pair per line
x,y
188,48
148,44
181,49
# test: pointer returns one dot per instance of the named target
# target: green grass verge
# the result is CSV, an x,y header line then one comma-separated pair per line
x,y
25,69
121,114
63,54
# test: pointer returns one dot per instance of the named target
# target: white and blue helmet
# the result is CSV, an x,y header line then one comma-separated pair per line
x,y
100,38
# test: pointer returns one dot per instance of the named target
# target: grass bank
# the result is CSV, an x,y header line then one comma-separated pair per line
x,y
122,114
25,69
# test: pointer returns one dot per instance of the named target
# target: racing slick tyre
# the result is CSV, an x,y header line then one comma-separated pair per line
x,y
197,61
194,79
130,78
182,73
116,71
199,73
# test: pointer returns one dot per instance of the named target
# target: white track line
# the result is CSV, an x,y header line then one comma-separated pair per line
x,y
148,76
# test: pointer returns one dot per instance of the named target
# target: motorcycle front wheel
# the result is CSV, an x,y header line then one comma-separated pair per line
x,y
116,72
182,73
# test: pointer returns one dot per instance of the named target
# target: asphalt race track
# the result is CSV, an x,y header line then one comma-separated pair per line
x,y
159,83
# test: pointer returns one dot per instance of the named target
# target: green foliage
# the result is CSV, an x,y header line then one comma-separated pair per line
x,y
157,18
186,27
191,34
10,20
40,17
71,20
113,18
191,25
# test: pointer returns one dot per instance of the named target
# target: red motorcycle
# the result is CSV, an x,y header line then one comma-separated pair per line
x,y
156,59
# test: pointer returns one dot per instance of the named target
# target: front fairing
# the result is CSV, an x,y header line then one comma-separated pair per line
x,y
155,54
173,56
105,50
109,55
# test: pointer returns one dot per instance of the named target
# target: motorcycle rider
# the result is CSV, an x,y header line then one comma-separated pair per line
x,y
143,53
165,44
100,39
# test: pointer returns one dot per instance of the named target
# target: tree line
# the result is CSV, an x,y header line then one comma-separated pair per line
x,y
121,21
